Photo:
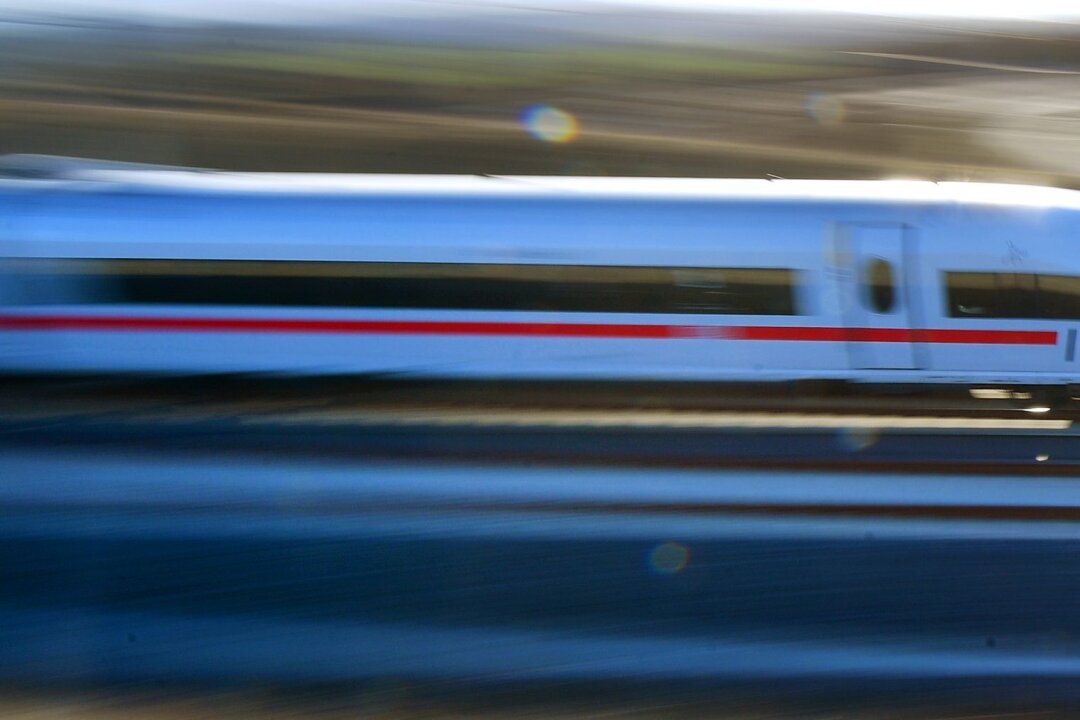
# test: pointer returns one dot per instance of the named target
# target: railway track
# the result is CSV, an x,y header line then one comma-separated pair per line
x,y
942,431
462,541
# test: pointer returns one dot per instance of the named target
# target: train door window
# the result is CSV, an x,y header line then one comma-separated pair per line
x,y
879,284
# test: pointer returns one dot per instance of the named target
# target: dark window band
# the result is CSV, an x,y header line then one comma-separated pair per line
x,y
561,288
1013,295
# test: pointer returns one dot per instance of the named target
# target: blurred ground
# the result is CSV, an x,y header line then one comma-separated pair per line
x,y
393,704
600,94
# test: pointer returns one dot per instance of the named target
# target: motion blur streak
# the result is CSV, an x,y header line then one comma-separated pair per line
x,y
382,547
676,89
197,569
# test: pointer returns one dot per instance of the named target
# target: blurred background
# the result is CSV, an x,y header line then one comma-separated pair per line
x,y
238,548
953,90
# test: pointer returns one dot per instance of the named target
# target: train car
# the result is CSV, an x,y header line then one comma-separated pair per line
x,y
127,269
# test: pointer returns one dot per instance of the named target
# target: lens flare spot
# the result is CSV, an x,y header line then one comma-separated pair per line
x,y
824,109
669,558
856,439
549,124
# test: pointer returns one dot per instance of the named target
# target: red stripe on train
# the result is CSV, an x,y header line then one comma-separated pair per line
x,y
403,327
529,329
895,335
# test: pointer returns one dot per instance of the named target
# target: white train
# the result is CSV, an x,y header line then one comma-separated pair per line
x,y
111,268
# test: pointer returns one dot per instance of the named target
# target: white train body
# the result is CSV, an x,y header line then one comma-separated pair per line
x,y
187,272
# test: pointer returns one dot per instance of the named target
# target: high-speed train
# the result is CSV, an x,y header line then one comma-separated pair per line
x,y
116,268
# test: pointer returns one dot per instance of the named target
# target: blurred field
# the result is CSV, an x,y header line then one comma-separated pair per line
x,y
868,99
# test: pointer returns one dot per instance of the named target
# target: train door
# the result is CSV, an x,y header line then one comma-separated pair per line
x,y
878,308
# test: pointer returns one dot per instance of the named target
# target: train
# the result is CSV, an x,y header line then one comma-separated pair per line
x,y
123,268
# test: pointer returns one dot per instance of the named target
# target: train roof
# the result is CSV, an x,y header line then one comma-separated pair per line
x,y
94,175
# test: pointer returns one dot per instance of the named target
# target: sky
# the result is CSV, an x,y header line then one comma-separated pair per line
x,y
292,10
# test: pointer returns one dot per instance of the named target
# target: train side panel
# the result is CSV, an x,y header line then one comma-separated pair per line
x,y
979,274
192,282
440,341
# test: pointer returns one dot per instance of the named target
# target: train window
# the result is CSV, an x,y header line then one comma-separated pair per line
x,y
1013,295
562,288
41,281
1059,296
879,284
732,291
